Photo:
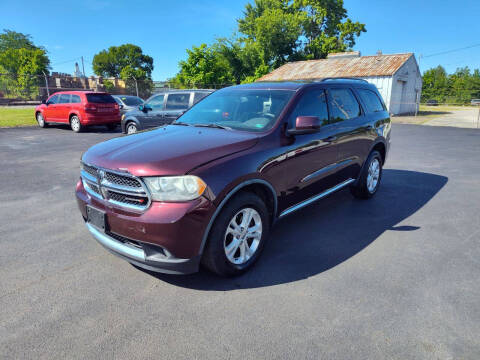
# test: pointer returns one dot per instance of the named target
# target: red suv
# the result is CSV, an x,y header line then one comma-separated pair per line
x,y
209,187
79,109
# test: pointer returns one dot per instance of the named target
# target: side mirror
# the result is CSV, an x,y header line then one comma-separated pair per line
x,y
305,125
141,107
120,106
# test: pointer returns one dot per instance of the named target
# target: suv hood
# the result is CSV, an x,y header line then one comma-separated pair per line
x,y
170,150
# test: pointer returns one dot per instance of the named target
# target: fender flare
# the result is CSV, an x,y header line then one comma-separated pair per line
x,y
227,197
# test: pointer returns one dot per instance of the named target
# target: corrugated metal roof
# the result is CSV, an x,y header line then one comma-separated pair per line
x,y
376,65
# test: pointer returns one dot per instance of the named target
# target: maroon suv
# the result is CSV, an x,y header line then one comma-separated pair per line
x,y
79,109
207,188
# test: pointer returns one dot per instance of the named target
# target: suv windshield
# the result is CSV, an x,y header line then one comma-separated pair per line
x,y
240,109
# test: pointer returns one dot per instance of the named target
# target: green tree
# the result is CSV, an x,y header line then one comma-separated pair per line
x,y
23,64
204,67
435,85
458,88
129,63
273,32
14,40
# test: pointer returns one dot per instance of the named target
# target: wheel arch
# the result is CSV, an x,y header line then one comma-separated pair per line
x,y
260,187
380,146
73,113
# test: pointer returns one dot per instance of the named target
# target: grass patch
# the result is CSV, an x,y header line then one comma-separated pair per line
x,y
13,116
444,108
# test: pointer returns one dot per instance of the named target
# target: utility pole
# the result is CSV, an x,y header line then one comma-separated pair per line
x,y
136,85
83,68
417,100
46,83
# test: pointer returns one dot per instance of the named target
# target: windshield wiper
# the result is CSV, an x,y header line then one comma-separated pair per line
x,y
214,125
181,123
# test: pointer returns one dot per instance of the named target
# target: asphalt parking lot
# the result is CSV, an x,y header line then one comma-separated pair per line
x,y
394,277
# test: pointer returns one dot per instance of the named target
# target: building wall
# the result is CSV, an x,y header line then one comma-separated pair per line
x,y
406,88
401,91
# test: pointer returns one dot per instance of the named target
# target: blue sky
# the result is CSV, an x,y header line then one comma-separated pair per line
x,y
164,29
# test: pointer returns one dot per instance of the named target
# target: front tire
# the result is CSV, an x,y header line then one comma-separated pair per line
x,y
369,180
238,236
131,128
41,120
75,124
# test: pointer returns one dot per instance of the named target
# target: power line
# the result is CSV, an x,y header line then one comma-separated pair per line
x,y
66,61
450,51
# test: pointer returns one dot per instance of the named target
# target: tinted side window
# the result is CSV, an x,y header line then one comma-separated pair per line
x,y
53,100
371,100
76,99
177,101
343,105
198,96
64,99
156,103
313,103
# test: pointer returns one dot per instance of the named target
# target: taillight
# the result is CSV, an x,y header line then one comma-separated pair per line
x,y
116,106
90,108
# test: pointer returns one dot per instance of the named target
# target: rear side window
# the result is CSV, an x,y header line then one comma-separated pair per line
x,y
198,96
76,99
100,99
313,103
177,101
64,99
343,105
371,100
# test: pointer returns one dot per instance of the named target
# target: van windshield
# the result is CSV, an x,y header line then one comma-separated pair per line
x,y
239,109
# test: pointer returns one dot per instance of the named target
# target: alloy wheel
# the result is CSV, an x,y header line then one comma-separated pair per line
x,y
243,236
131,129
373,175
75,122
40,120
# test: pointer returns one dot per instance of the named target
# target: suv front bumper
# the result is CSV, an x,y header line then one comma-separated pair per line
x,y
147,260
165,237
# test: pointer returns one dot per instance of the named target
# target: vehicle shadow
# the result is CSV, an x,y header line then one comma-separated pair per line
x,y
95,129
323,235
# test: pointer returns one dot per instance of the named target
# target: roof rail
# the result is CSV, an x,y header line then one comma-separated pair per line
x,y
343,78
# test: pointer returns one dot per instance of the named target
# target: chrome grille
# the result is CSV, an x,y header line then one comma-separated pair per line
x,y
122,180
119,189
90,169
127,199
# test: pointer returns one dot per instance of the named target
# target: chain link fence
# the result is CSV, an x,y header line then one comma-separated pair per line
x,y
32,89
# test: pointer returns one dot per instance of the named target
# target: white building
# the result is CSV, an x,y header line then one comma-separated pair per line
x,y
396,76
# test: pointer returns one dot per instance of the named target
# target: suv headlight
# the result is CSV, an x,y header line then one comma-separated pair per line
x,y
175,188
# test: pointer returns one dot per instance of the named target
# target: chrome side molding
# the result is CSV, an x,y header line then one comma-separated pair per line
x,y
302,204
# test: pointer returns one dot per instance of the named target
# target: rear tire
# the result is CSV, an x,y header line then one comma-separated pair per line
x,y
370,177
41,120
75,124
131,128
237,236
